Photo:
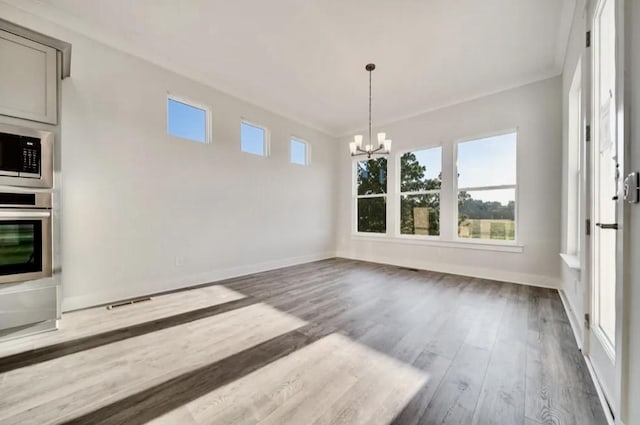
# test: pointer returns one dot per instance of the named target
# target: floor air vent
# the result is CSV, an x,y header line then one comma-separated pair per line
x,y
410,269
130,302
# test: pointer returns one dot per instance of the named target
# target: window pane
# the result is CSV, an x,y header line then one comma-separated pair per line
x,y
186,121
487,214
372,176
372,215
298,152
252,139
487,162
420,214
420,170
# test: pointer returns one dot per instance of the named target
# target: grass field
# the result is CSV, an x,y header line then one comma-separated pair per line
x,y
488,229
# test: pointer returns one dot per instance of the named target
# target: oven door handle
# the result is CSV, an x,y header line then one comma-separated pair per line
x,y
24,214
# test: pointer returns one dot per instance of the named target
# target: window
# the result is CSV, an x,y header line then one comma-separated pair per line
x,y
371,195
487,188
253,139
420,182
188,121
574,164
298,152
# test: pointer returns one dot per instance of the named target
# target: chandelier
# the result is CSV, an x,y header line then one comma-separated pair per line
x,y
384,144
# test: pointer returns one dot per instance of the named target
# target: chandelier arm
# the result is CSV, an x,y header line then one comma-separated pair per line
x,y
362,152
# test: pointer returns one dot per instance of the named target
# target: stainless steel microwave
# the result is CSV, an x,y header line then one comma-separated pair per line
x,y
26,157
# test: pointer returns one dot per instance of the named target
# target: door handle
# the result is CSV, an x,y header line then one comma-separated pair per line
x,y
613,226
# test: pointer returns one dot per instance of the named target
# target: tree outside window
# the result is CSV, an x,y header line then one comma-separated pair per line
x,y
372,195
420,183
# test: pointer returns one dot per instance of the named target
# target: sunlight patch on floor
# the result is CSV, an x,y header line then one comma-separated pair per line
x,y
82,323
78,383
333,380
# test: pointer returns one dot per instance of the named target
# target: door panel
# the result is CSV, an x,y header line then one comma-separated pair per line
x,y
604,201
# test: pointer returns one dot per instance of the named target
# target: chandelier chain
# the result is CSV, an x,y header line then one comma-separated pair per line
x,y
370,72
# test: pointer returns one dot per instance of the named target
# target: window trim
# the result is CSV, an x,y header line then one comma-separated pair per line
x,y
355,197
412,240
398,193
456,189
208,117
307,151
573,165
449,237
266,140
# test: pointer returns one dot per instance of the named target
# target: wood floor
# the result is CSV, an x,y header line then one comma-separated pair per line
x,y
330,342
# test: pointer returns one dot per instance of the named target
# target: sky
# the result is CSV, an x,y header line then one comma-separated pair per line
x,y
298,152
489,161
252,139
432,159
186,121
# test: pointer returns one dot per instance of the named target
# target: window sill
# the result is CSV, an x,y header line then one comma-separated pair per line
x,y
433,241
572,261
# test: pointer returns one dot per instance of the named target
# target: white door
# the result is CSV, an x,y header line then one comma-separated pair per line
x,y
602,347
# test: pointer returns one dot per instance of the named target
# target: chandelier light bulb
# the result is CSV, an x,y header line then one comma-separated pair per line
x,y
381,138
358,140
352,148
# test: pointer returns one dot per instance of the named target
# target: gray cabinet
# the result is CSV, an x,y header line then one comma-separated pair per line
x,y
28,79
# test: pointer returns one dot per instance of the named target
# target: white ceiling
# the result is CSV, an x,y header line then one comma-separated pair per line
x,y
305,58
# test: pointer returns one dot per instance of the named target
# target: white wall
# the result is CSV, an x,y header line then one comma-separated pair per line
x,y
573,286
134,199
535,110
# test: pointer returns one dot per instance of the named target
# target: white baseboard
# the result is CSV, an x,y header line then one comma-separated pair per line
x,y
574,320
140,290
490,274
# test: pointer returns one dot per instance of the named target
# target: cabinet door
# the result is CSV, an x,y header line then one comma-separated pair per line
x,y
28,79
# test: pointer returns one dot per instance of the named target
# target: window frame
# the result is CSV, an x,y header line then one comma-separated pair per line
x,y
398,193
355,197
574,164
208,117
307,151
266,141
456,190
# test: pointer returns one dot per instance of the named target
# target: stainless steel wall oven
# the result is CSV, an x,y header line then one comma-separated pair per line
x,y
25,236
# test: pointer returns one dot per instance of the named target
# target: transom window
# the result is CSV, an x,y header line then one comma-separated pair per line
x,y
420,183
188,120
253,139
371,195
298,150
487,188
